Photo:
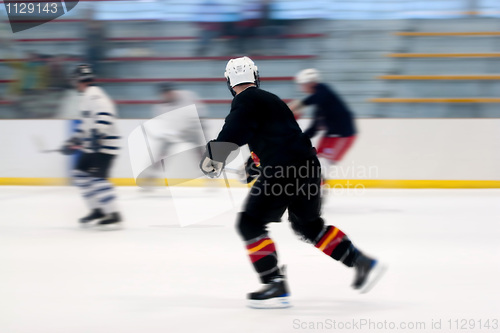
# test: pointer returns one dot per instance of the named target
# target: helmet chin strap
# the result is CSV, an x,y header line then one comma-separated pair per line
x,y
230,88
257,78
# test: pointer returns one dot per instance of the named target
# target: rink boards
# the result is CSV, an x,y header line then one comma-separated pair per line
x,y
388,153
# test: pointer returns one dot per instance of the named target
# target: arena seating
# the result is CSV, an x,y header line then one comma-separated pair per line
x,y
388,68
451,73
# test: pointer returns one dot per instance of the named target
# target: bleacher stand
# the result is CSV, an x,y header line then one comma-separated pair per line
x,y
376,55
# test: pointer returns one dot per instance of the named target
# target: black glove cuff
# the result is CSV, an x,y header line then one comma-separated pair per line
x,y
220,151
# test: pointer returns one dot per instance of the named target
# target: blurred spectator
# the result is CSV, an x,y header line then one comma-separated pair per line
x,y
251,13
210,25
272,30
6,47
57,80
256,31
38,85
5,40
30,75
29,81
57,85
95,39
472,7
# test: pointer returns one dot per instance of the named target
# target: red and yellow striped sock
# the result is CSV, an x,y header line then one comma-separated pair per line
x,y
260,249
262,253
334,243
330,240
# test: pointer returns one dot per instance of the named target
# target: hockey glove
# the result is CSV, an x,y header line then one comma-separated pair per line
x,y
211,168
208,165
216,156
71,146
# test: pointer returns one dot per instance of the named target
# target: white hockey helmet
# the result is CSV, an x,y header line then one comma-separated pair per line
x,y
241,70
307,76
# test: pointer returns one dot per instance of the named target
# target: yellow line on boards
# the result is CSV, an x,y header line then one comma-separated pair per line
x,y
332,183
34,181
411,183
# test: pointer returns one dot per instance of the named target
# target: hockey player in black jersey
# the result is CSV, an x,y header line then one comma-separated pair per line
x,y
98,139
289,177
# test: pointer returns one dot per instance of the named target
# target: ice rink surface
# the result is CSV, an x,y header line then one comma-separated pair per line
x,y
442,248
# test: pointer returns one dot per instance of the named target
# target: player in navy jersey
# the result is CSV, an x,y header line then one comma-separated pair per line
x,y
331,114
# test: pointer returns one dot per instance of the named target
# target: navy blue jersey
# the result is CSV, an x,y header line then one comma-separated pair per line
x,y
331,112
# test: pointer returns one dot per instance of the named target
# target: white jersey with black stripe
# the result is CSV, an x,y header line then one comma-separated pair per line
x,y
98,114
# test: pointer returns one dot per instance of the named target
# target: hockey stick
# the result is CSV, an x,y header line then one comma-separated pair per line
x,y
234,171
40,145
241,174
228,188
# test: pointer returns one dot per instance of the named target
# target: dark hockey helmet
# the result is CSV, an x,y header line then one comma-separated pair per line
x,y
166,87
83,73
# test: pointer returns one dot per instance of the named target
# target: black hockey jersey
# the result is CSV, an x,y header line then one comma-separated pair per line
x,y
264,122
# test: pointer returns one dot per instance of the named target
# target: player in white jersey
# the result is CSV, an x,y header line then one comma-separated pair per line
x,y
172,98
173,131
179,128
98,139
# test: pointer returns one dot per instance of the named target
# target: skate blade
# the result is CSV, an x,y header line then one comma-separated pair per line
x,y
109,227
273,303
86,225
375,275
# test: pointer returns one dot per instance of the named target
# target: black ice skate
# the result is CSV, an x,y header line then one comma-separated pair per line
x,y
110,222
94,215
368,272
274,295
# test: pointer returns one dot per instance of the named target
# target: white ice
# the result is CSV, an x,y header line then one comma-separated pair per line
x,y
442,248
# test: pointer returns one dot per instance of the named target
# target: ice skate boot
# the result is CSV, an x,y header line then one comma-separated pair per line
x,y
110,222
94,215
368,272
274,295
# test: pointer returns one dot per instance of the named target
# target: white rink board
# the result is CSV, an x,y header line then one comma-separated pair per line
x,y
19,152
413,149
